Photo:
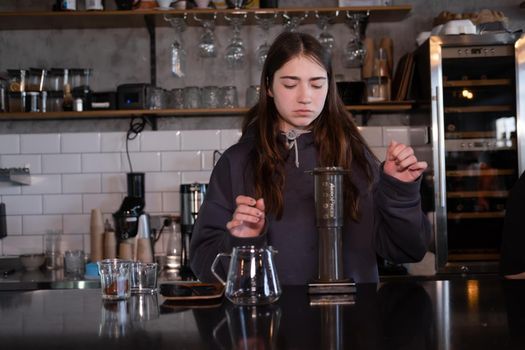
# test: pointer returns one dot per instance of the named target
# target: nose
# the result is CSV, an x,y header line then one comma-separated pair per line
x,y
305,94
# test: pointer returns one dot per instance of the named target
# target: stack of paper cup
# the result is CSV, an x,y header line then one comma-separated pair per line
x,y
96,235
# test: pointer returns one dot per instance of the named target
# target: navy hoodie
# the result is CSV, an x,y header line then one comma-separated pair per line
x,y
391,221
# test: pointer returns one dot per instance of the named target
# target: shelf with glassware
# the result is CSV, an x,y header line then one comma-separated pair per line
x,y
386,107
123,19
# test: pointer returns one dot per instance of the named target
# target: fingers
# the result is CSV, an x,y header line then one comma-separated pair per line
x,y
248,210
419,166
402,155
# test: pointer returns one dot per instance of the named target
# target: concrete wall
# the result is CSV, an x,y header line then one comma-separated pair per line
x,y
121,55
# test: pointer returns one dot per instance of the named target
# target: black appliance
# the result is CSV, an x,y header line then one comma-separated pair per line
x,y
192,197
104,100
133,96
127,216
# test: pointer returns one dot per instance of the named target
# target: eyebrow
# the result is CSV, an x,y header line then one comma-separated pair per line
x,y
291,77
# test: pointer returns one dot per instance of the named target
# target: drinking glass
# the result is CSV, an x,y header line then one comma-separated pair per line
x,y
207,44
176,98
115,278
235,51
265,23
178,54
210,97
53,242
229,97
192,97
354,52
293,21
74,263
252,95
324,20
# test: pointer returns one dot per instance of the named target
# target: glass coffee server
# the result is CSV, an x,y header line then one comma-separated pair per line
x,y
478,143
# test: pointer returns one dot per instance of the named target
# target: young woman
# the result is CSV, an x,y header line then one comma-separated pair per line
x,y
261,194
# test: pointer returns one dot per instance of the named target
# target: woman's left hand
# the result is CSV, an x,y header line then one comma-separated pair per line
x,y
402,164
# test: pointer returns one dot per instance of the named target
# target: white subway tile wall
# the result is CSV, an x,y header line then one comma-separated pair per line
x,y
73,173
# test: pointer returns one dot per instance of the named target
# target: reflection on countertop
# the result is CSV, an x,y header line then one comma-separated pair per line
x,y
424,315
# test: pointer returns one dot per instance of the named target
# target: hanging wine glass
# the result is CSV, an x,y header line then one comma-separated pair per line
x,y
235,53
324,20
207,45
354,52
178,54
293,21
265,23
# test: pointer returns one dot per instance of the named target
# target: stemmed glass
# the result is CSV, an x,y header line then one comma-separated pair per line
x,y
354,52
265,23
235,51
207,44
323,22
292,22
178,54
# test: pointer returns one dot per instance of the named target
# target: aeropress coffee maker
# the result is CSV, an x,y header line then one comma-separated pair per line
x,y
330,287
132,223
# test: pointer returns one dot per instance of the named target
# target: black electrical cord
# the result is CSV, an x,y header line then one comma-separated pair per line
x,y
136,125
165,223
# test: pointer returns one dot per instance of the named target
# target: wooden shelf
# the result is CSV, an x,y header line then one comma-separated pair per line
x,y
476,215
383,107
479,109
129,19
475,194
482,82
479,172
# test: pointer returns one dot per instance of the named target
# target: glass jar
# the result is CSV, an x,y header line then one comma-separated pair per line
x,y
55,79
17,80
80,77
55,99
32,101
36,79
17,101
3,95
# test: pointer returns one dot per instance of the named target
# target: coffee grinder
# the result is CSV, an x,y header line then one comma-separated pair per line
x,y
330,286
131,216
192,197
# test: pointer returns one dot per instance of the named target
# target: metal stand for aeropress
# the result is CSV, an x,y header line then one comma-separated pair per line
x,y
330,287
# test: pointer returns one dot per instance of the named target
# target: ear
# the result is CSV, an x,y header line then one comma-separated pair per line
x,y
269,92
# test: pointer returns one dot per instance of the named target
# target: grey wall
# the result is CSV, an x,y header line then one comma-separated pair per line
x,y
122,55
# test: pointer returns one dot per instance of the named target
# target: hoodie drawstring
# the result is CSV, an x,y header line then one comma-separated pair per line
x,y
291,139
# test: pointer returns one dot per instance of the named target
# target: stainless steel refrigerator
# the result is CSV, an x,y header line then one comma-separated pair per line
x,y
477,103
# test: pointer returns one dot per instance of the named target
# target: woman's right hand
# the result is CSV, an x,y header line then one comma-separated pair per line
x,y
248,219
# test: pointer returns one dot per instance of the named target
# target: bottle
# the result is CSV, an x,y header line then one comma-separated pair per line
x,y
174,246
68,103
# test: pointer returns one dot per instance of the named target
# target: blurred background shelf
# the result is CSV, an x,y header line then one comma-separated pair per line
x,y
376,107
125,19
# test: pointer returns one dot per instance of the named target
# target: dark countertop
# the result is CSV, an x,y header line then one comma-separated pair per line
x,y
445,314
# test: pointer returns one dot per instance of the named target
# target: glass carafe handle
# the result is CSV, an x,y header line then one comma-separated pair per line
x,y
215,262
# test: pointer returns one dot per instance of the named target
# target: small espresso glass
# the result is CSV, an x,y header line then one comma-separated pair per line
x,y
115,279
143,277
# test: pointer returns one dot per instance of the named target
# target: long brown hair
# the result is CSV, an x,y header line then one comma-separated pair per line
x,y
336,137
